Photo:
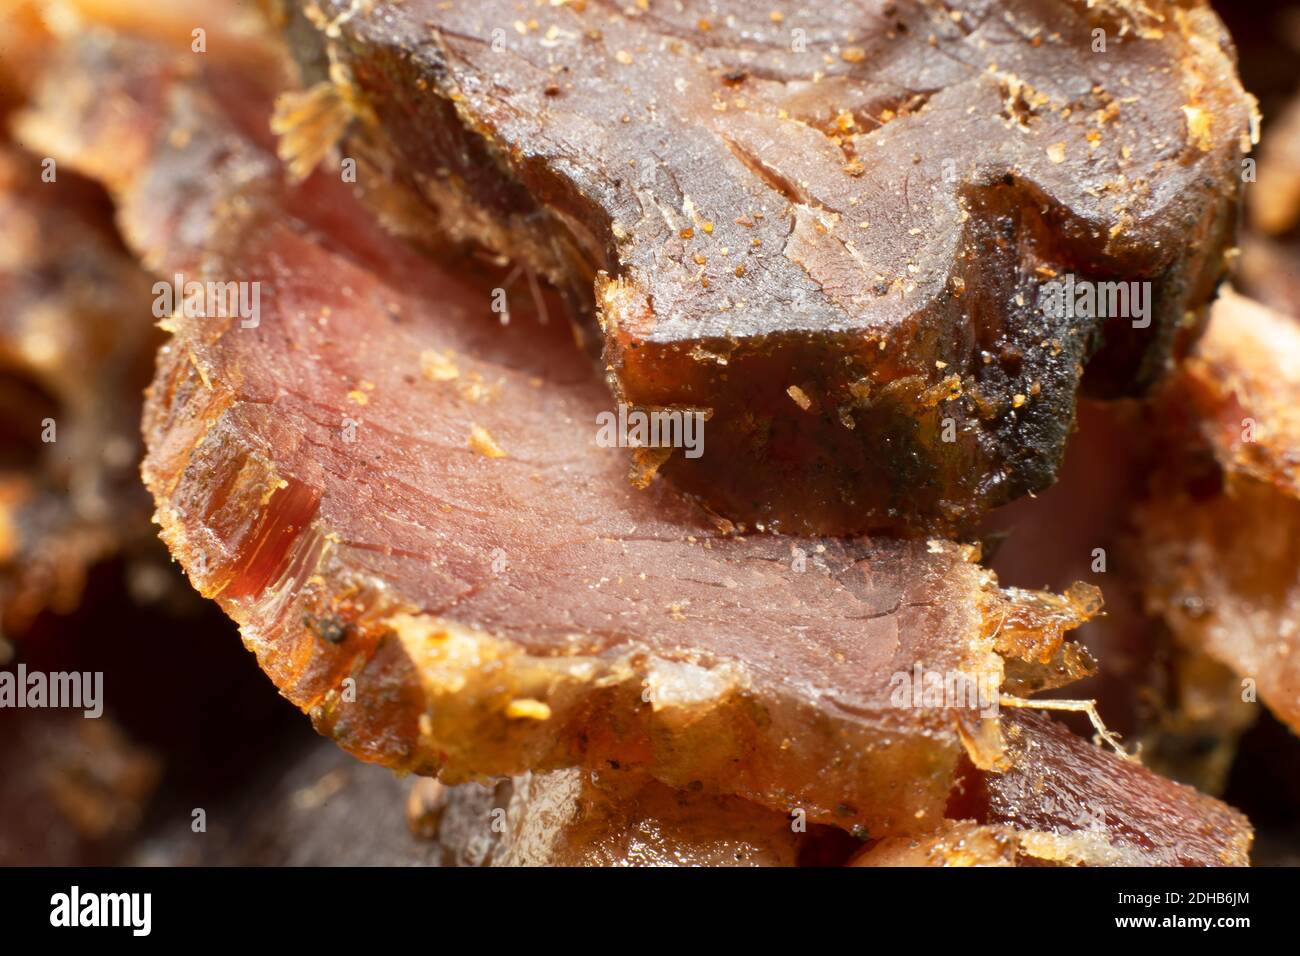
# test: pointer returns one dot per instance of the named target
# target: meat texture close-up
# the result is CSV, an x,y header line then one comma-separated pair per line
x,y
656,434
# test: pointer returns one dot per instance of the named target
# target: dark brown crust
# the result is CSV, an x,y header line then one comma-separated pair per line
x,y
634,147
1219,531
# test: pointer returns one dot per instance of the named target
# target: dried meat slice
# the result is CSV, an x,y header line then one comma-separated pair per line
x,y
1219,532
404,506
830,226
1074,803
71,789
1173,703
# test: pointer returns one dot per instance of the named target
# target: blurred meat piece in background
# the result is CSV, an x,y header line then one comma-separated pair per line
x,y
76,348
72,790
1220,531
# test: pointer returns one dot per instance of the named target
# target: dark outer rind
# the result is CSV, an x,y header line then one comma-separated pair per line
x,y
578,151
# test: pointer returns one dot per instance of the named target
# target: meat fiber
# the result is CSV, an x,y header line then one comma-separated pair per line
x,y
575,818
829,226
404,506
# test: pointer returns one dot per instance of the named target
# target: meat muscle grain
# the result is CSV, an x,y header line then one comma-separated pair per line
x,y
829,225
76,348
404,506
1064,802
1060,801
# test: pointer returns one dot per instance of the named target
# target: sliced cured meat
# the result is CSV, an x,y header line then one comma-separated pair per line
x,y
576,818
830,226
404,506
1054,539
1177,706
1060,801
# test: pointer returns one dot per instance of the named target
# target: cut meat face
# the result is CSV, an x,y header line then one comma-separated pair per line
x,y
1095,809
832,230
405,507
